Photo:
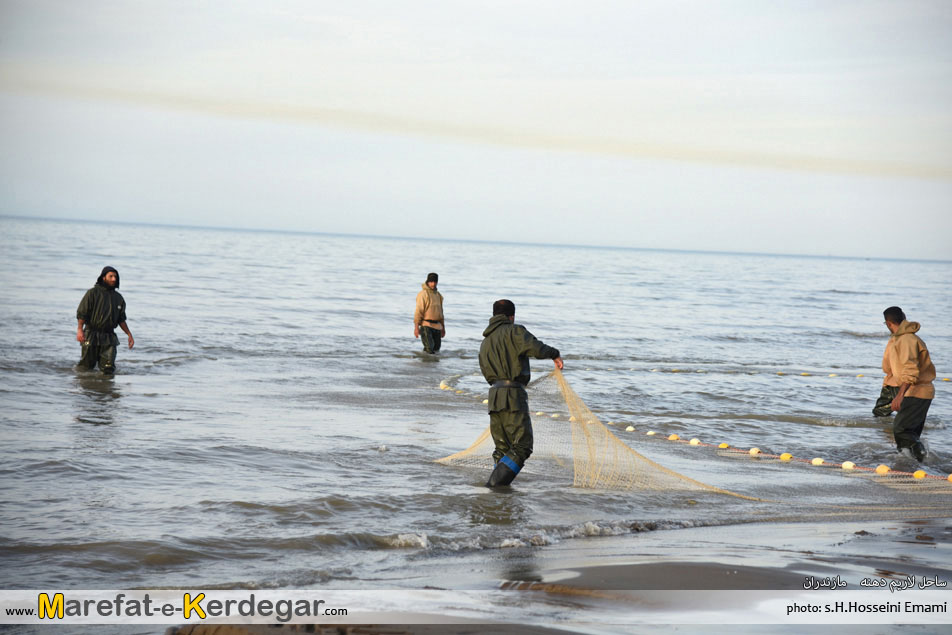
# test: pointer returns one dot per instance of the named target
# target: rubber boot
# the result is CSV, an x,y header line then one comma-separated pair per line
x,y
504,473
918,450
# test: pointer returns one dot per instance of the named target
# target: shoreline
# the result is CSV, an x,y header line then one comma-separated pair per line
x,y
763,556
731,574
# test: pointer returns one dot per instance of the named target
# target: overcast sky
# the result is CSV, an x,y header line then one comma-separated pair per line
x,y
781,127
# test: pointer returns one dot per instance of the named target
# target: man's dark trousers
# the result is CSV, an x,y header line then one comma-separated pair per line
x,y
431,339
909,421
512,434
104,354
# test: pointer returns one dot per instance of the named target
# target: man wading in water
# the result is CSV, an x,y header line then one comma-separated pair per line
x,y
907,387
100,311
504,361
428,322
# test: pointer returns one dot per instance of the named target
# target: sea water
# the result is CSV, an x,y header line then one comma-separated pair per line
x,y
276,424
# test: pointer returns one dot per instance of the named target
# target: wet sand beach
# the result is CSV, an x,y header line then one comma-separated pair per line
x,y
759,556
672,576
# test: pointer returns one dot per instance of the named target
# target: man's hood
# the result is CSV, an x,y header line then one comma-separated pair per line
x,y
101,279
494,323
906,327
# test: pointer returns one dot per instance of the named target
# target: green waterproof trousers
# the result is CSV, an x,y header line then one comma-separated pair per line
x,y
512,434
104,354
883,407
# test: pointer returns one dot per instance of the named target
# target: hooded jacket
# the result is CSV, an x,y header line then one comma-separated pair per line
x,y
906,361
102,309
504,355
429,306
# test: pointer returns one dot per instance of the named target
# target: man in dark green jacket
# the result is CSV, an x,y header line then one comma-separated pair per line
x,y
100,311
504,361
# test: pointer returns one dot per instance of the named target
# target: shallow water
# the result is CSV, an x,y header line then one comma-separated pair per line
x,y
276,425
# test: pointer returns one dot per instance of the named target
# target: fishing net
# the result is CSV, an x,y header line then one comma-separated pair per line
x,y
568,436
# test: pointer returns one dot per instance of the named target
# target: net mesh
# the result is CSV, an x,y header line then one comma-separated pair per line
x,y
572,438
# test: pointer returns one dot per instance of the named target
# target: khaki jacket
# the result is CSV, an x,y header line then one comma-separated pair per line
x,y
906,361
429,307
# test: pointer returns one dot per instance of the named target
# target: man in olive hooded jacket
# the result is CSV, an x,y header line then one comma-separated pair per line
x,y
100,311
504,362
907,387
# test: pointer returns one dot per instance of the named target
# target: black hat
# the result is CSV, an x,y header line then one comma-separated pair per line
x,y
432,277
100,280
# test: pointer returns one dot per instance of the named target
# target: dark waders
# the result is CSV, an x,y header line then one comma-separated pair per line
x,y
431,339
512,434
909,421
908,424
99,348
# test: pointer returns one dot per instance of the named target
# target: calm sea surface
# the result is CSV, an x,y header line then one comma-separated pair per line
x,y
276,427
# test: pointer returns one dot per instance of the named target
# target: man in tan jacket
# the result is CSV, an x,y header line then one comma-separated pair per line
x,y
428,317
907,387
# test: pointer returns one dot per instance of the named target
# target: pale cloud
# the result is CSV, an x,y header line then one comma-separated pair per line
x,y
847,84
848,88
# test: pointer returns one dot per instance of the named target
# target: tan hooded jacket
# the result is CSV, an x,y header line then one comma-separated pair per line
x,y
429,308
906,361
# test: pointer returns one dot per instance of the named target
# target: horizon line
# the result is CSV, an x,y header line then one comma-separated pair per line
x,y
456,240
